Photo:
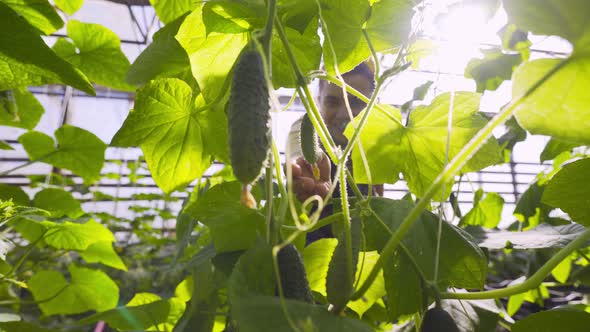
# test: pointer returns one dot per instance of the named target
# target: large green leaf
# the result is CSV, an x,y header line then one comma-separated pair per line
x,y
554,148
39,13
560,107
24,113
67,235
529,210
403,285
554,320
418,150
253,274
316,258
486,212
297,14
23,327
69,6
569,190
306,48
542,236
233,226
172,132
233,17
564,18
33,62
15,193
134,317
387,24
78,150
461,263
265,314
491,71
176,308
237,17
87,290
58,202
169,10
473,316
211,55
96,51
103,252
74,236
164,57
204,298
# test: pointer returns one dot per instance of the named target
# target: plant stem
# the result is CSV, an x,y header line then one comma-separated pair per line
x,y
347,238
271,229
277,164
306,97
267,39
21,260
354,186
373,52
36,302
318,122
448,173
357,130
531,283
321,223
18,167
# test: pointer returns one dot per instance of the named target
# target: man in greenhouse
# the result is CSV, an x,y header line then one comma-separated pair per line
x,y
333,109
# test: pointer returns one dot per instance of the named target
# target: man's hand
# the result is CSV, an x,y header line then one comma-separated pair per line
x,y
304,183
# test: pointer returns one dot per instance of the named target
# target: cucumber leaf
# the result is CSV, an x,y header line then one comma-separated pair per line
x,y
418,149
87,290
78,150
33,62
96,51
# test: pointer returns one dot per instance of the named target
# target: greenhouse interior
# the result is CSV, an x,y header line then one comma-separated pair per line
x,y
295,165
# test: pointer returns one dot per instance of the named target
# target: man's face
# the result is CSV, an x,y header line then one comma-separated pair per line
x,y
333,106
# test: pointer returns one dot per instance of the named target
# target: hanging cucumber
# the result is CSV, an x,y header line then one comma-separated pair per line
x,y
248,120
437,319
310,145
293,277
339,285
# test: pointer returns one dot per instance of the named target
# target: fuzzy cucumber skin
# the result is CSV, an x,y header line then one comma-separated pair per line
x,y
248,115
438,320
310,145
293,277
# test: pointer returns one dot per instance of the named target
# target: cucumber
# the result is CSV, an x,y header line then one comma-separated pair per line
x,y
438,320
339,285
310,145
248,116
293,277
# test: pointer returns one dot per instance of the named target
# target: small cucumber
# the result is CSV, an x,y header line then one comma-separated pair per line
x,y
293,277
310,145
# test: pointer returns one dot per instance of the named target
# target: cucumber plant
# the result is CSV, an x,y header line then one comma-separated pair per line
x,y
204,92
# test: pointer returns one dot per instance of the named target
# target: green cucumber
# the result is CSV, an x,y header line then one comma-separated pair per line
x,y
248,116
438,320
310,145
293,277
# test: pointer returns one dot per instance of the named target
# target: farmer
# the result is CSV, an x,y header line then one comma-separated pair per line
x,y
335,115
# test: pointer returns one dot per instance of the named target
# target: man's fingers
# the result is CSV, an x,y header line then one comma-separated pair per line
x,y
322,189
304,184
325,168
296,170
